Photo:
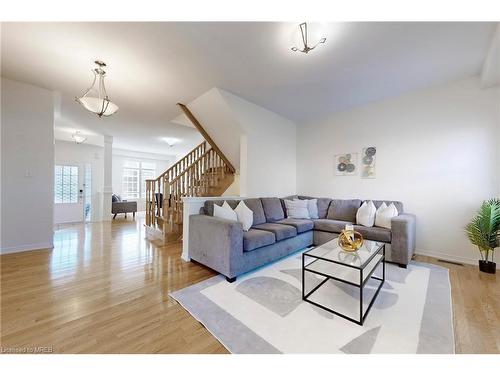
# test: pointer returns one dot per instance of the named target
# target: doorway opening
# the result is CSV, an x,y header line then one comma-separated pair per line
x,y
72,193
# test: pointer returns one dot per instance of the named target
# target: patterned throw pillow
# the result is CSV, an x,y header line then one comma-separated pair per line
x,y
297,209
312,207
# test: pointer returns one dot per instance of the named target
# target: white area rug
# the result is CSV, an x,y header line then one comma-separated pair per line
x,y
263,312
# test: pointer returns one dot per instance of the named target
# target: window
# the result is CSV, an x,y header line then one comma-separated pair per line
x,y
131,183
135,175
66,184
147,174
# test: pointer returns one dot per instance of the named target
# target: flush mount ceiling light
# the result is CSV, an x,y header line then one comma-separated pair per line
x,y
306,49
95,99
170,141
78,138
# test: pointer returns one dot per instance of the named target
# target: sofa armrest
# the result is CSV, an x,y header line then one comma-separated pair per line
x,y
216,243
403,229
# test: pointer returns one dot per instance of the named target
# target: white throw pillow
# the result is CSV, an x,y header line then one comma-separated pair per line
x,y
297,209
225,212
227,206
245,215
366,214
312,207
385,214
383,206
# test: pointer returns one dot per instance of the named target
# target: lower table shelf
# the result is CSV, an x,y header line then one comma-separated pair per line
x,y
335,285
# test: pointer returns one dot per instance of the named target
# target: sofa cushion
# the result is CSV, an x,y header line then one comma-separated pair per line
x,y
397,204
366,214
280,231
333,226
312,207
272,209
384,215
253,239
297,209
374,233
208,206
344,209
225,212
244,215
323,204
258,211
302,225
290,198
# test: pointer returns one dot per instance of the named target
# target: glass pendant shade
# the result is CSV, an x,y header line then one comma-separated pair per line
x,y
95,99
101,107
78,138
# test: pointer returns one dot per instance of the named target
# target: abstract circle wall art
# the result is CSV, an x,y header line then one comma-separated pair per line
x,y
368,159
346,164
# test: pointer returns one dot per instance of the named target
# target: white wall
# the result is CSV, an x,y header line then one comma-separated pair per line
x,y
258,142
268,149
163,162
498,150
70,152
27,125
220,123
234,188
437,151
490,74
86,153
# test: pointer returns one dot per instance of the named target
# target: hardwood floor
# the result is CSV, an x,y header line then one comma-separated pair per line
x,y
476,307
104,289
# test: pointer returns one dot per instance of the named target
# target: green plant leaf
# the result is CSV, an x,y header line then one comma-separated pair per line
x,y
484,228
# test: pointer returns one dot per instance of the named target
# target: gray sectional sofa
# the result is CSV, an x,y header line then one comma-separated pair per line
x,y
223,245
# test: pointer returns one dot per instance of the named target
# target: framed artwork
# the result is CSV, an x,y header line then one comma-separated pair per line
x,y
368,158
346,164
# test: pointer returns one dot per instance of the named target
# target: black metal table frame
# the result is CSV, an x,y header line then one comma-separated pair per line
x,y
361,284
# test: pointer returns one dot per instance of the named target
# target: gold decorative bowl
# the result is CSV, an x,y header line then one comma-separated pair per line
x,y
350,240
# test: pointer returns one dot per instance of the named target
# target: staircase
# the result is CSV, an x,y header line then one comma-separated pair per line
x,y
204,171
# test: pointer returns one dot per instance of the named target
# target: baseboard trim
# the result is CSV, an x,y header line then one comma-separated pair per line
x,y
451,258
23,248
451,262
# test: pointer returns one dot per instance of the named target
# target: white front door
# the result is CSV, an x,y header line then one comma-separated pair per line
x,y
68,193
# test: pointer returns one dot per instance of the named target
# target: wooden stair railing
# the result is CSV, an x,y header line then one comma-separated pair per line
x,y
155,189
204,171
208,176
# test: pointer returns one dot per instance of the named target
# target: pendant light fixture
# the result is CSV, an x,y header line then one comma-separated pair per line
x,y
95,99
78,137
306,49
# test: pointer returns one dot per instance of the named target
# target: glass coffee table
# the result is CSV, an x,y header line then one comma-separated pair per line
x,y
329,262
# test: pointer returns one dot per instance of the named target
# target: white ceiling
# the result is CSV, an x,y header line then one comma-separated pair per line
x,y
152,66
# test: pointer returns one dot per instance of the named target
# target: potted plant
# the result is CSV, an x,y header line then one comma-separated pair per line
x,y
484,231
